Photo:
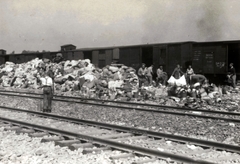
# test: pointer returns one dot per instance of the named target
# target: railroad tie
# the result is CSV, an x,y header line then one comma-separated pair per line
x,y
116,136
38,134
145,161
96,150
2,124
66,142
122,156
12,128
52,138
28,131
96,132
130,138
83,145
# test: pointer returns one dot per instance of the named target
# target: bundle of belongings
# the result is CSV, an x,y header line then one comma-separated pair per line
x,y
197,90
178,82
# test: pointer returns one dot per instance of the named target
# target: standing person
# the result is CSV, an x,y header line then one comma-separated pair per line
x,y
177,72
50,73
161,76
233,75
46,82
189,73
149,74
142,74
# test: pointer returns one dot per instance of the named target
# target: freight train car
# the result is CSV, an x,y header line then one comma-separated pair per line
x,y
209,58
25,57
2,56
100,57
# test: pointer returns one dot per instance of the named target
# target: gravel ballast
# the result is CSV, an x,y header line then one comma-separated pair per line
x,y
16,149
208,129
42,153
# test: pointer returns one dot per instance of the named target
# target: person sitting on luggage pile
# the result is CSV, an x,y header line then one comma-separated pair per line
x,y
142,74
161,76
134,81
46,83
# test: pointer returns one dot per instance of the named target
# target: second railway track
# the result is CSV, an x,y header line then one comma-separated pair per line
x,y
201,113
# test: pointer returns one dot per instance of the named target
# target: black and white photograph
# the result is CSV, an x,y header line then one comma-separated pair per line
x,y
120,82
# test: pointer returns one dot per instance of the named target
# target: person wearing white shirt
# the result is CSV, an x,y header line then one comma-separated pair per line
x,y
47,82
149,74
189,73
142,74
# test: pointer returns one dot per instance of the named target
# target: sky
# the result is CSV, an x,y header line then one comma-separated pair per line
x,y
48,24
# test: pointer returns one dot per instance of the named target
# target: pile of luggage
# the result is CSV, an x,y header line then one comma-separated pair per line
x,y
116,81
75,75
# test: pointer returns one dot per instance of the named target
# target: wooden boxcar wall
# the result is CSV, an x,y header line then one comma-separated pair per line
x,y
186,55
78,55
130,57
101,58
160,57
174,57
21,58
95,58
2,60
209,58
234,56
169,56
205,58
74,55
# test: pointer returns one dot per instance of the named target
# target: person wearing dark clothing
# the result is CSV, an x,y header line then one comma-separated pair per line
x,y
177,73
161,76
233,75
197,78
47,82
58,58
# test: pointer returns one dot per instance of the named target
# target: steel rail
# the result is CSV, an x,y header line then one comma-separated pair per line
x,y
113,144
200,142
130,103
140,109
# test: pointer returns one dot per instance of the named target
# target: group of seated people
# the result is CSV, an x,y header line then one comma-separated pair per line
x,y
145,75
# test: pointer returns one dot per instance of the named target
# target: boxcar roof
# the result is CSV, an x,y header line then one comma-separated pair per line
x,y
152,44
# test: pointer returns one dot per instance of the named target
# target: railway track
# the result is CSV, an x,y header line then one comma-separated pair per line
x,y
109,137
200,113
